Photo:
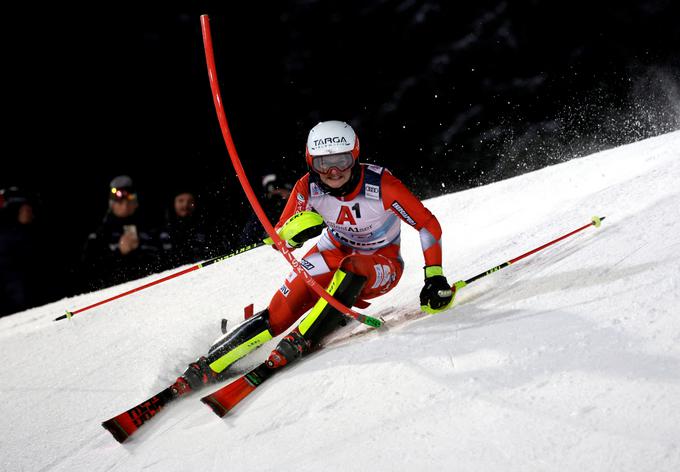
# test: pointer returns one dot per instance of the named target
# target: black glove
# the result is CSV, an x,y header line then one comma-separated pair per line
x,y
437,294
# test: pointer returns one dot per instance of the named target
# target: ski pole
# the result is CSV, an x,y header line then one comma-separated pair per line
x,y
69,314
596,221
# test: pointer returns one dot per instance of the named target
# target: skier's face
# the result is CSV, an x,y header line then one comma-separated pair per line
x,y
123,208
335,178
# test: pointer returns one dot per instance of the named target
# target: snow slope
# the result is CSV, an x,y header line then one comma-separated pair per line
x,y
568,360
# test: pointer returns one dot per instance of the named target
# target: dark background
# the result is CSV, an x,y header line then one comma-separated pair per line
x,y
448,95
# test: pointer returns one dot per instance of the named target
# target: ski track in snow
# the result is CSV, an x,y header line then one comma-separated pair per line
x,y
567,360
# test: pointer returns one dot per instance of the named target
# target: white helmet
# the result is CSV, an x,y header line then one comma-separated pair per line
x,y
331,137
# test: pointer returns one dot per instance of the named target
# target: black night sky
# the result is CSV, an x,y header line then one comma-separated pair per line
x,y
448,95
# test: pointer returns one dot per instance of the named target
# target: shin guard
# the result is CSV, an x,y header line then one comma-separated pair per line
x,y
246,337
323,318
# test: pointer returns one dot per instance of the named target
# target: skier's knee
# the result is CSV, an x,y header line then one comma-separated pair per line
x,y
357,265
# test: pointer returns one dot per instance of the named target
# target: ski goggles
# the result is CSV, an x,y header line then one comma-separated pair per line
x,y
323,164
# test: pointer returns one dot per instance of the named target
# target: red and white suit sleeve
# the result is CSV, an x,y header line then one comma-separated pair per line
x,y
397,198
297,201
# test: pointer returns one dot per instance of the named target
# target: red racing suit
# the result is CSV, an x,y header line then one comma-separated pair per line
x,y
362,236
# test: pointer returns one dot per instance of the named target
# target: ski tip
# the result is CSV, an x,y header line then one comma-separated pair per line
x,y
116,430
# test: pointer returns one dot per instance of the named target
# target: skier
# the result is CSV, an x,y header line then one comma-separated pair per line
x,y
357,256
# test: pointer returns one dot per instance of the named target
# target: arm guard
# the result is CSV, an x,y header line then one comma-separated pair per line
x,y
299,228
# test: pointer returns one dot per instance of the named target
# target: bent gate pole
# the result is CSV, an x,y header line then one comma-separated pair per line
x,y
252,198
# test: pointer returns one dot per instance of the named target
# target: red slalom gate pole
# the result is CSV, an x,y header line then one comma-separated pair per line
x,y
69,314
596,221
243,179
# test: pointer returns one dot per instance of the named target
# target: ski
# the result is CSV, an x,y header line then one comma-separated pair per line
x,y
227,397
127,423
221,401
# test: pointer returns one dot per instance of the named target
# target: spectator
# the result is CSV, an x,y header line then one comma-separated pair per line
x,y
185,236
275,194
23,261
124,247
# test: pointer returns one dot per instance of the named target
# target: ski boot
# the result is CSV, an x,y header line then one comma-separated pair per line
x,y
290,348
199,374
180,388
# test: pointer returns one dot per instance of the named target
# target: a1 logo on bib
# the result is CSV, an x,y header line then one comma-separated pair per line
x,y
345,215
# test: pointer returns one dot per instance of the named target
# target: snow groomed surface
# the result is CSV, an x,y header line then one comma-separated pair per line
x,y
568,360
